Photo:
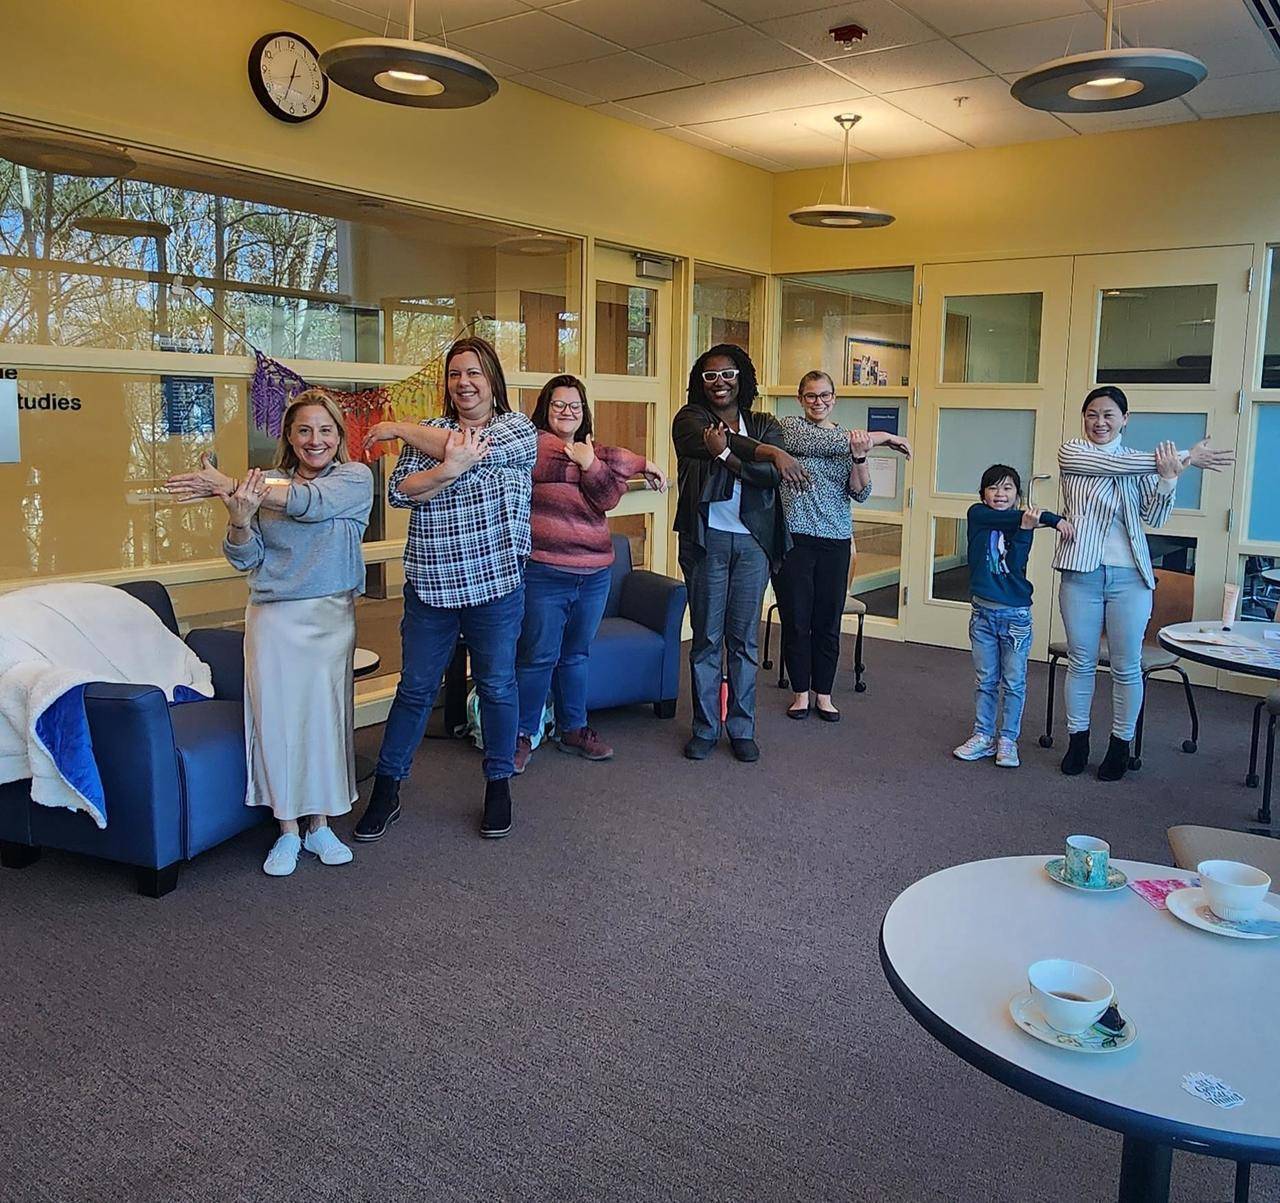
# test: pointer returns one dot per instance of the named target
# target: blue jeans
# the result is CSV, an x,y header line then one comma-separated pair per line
x,y
562,612
428,639
726,581
1001,641
1118,601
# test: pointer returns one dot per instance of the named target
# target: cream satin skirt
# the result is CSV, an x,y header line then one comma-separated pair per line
x,y
299,712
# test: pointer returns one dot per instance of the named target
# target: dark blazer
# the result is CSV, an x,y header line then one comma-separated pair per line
x,y
702,479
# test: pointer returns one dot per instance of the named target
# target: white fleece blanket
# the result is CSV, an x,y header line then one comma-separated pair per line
x,y
55,639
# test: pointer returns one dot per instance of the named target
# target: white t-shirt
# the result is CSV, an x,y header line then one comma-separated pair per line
x,y
727,515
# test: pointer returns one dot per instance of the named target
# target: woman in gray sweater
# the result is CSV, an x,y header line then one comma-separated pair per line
x,y
297,534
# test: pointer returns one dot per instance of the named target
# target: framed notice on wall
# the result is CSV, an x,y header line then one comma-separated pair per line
x,y
9,452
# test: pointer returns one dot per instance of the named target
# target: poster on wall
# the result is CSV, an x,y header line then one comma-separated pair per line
x,y
9,452
884,476
875,362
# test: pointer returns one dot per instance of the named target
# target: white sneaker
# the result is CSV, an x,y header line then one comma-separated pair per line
x,y
323,843
976,747
1007,754
283,857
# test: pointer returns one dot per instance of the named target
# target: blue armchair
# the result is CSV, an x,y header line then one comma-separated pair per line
x,y
173,776
636,654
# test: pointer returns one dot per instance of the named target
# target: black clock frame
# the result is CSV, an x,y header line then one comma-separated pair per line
x,y
265,98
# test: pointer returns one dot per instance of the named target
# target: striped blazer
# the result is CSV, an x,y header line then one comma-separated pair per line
x,y
1094,483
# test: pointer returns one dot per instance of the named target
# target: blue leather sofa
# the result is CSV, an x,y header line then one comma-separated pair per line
x,y
636,654
173,776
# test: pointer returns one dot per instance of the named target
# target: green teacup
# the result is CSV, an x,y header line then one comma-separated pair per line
x,y
1086,861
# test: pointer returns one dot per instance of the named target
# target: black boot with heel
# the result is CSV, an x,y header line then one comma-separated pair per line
x,y
1116,762
1077,757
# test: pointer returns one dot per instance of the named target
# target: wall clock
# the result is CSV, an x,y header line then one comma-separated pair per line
x,y
284,72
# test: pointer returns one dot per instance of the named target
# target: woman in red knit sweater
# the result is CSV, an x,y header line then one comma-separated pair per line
x,y
566,582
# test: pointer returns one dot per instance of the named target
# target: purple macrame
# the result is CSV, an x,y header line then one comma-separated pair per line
x,y
272,388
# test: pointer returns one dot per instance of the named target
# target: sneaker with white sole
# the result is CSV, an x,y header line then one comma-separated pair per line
x,y
976,747
1007,754
283,857
323,843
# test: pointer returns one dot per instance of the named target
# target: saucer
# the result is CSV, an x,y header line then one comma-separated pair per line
x,y
1191,906
1025,1013
1056,868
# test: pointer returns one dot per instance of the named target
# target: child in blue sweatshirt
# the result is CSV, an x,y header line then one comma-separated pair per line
x,y
1000,626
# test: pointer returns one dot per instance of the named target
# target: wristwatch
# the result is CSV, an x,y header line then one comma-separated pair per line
x,y
859,460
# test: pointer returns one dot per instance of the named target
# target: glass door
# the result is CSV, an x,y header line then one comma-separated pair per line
x,y
1168,327
993,360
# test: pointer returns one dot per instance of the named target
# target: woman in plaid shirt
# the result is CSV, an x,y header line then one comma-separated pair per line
x,y
467,477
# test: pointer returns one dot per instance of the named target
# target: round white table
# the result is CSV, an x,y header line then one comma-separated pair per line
x,y
1237,660
955,948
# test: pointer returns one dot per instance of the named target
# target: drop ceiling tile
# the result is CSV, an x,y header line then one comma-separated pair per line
x,y
884,131
695,139
734,52
540,83
745,156
1168,113
372,14
765,10
988,94
1021,47
629,115
1231,56
1171,22
635,24
1256,93
1001,127
750,94
909,67
953,17
533,41
619,75
886,23
769,135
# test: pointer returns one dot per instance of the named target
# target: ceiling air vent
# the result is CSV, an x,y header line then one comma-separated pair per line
x,y
1267,14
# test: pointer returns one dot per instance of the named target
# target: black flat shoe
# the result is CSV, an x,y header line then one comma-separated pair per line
x,y
699,748
497,809
800,712
745,750
828,716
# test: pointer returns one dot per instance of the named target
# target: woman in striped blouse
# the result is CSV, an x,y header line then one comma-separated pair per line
x,y
1108,493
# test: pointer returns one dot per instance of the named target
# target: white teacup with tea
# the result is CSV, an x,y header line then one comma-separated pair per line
x,y
1071,996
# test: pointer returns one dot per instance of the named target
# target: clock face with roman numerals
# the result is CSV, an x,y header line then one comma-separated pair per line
x,y
284,72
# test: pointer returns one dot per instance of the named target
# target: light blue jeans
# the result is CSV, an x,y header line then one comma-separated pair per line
x,y
1001,641
1118,601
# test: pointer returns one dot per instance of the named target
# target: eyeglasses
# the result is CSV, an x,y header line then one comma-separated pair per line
x,y
823,397
565,407
727,374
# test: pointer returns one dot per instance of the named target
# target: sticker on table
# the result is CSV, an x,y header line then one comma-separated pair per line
x,y
1156,889
1212,1090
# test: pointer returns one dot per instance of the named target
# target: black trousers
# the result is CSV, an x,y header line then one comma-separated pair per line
x,y
811,589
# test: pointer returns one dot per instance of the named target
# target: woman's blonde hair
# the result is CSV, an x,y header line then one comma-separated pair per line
x,y
286,457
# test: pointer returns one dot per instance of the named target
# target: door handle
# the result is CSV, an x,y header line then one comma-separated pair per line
x,y
1032,487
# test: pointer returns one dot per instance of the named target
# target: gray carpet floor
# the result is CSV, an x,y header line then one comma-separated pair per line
x,y
663,985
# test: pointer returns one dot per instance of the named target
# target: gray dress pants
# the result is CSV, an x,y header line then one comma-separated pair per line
x,y
726,583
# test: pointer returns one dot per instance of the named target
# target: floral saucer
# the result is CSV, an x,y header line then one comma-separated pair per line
x,y
1026,1014
1057,870
1191,906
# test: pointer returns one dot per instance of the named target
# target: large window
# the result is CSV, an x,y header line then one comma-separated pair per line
x,y
724,303
854,325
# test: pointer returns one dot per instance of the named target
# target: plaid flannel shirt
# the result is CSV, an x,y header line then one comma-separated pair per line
x,y
467,545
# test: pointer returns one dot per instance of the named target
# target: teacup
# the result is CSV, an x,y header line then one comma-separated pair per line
x,y
1086,861
1071,996
1233,890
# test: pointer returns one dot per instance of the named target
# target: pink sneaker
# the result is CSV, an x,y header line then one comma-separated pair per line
x,y
524,749
585,742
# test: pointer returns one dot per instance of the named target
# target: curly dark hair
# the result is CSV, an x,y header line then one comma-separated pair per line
x,y
541,409
748,389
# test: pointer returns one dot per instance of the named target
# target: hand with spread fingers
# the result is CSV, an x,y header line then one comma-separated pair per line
x,y
1212,459
582,453
245,499
206,481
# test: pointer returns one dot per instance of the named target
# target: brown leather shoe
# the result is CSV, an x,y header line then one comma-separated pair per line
x,y
585,742
524,749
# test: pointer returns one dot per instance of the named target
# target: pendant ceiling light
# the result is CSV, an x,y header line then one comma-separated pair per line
x,y
404,71
69,157
1107,80
843,216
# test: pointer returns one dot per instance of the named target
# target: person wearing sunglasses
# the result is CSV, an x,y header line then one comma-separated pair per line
x,y
731,533
812,585
566,581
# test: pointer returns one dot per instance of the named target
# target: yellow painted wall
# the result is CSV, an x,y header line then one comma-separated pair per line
x,y
172,75
1203,183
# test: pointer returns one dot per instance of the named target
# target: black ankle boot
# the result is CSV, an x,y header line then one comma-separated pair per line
x,y
497,809
382,811
1073,763
1116,762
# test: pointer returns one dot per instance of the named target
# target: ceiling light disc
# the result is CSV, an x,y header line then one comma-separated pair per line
x,y
427,76
1104,81
841,217
66,158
